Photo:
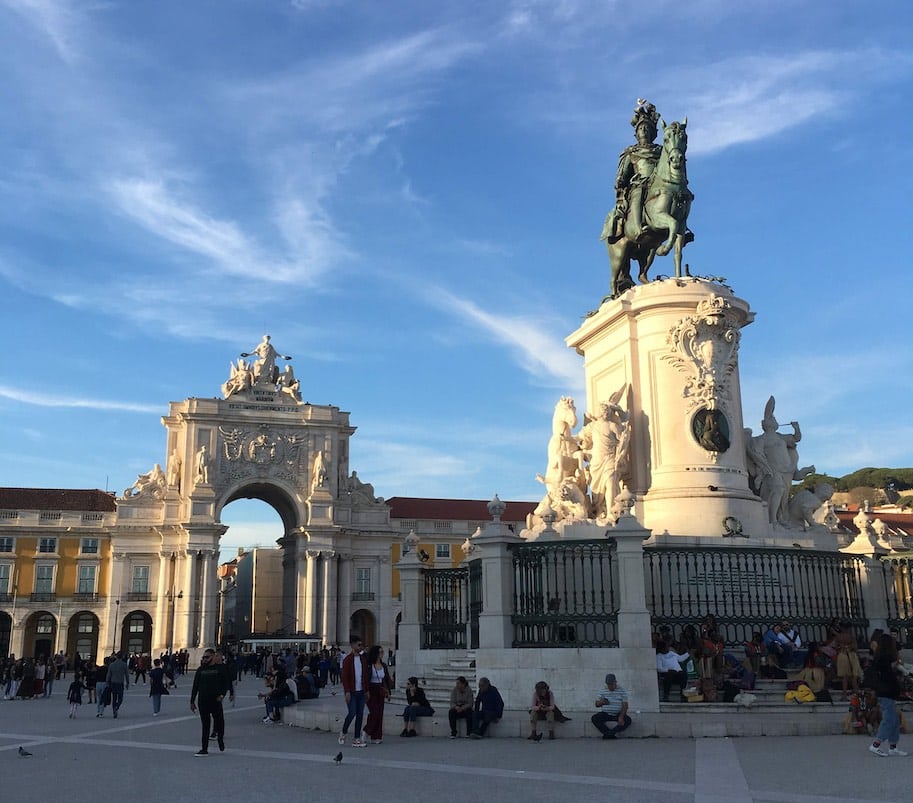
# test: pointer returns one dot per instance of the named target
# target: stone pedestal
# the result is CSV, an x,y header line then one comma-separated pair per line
x,y
674,344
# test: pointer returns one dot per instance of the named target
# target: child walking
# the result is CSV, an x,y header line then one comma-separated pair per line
x,y
74,695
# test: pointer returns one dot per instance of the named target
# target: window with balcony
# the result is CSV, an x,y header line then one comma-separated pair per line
x,y
47,545
85,584
7,544
44,579
363,590
89,546
140,580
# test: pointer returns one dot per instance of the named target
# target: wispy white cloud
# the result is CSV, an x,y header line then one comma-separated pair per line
x,y
43,400
541,354
162,212
58,20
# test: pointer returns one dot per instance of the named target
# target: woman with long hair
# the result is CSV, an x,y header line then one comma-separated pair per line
x,y
379,684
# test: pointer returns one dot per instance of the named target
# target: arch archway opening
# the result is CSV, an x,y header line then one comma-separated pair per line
x,y
252,577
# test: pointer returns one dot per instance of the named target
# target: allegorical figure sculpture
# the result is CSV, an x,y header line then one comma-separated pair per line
x,y
174,469
652,199
152,483
202,465
595,460
777,459
262,373
607,437
319,475
804,507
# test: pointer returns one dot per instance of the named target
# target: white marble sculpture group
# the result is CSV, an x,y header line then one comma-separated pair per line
x,y
585,470
262,373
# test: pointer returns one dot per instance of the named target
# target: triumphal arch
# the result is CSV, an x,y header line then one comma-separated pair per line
x,y
258,440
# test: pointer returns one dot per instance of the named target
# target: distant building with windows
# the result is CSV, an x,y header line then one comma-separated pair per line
x,y
55,551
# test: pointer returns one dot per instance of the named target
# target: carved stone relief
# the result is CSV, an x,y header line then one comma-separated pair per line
x,y
704,347
260,452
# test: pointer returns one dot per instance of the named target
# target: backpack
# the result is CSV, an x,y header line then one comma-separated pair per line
x,y
824,696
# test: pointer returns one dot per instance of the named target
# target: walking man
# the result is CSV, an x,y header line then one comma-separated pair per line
x,y
118,679
210,684
354,684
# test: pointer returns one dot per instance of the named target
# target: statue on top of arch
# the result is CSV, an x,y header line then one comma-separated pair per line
x,y
261,373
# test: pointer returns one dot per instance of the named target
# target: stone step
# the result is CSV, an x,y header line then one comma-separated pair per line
x,y
675,720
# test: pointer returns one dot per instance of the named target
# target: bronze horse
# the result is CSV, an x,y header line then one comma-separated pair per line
x,y
668,202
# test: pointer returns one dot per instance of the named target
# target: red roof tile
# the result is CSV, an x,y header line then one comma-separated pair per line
x,y
56,499
409,507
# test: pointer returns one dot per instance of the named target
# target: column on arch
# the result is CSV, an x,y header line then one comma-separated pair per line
x,y
310,608
208,599
162,601
329,602
189,574
344,597
384,605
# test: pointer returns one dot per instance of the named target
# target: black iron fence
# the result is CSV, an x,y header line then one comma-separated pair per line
x,y
565,594
897,577
446,609
475,601
747,590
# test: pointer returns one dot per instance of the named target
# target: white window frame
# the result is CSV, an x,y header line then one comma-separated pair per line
x,y
38,568
80,578
12,542
138,574
82,546
442,552
47,540
362,575
6,577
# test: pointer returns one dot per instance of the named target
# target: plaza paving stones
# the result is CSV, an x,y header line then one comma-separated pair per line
x,y
151,759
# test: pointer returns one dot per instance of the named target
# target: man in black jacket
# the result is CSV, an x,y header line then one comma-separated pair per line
x,y
210,684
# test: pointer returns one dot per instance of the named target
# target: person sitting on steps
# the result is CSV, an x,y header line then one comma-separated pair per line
x,y
417,706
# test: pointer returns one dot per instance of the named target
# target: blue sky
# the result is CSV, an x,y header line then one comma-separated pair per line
x,y
408,197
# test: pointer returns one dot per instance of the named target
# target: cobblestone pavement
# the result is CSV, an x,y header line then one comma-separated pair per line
x,y
140,758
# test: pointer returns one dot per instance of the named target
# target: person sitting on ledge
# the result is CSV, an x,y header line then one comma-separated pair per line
x,y
281,696
776,648
460,706
417,706
489,707
543,707
669,667
613,700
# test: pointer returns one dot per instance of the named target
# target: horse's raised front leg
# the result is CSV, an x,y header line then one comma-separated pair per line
x,y
665,221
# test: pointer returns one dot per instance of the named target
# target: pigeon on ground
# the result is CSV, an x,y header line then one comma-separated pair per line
x,y
23,752
338,758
